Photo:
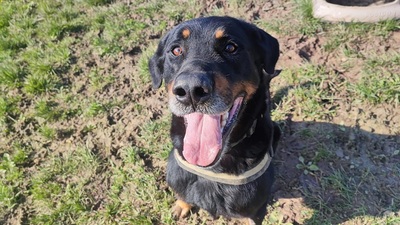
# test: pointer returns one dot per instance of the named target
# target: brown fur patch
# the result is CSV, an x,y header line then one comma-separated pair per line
x,y
222,85
247,87
219,33
169,89
185,33
224,88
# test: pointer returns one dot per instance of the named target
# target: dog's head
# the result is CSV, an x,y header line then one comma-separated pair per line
x,y
212,67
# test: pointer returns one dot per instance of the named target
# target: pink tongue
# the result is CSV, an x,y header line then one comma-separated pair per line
x,y
203,139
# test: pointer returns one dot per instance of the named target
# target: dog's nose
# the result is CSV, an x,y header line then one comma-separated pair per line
x,y
193,89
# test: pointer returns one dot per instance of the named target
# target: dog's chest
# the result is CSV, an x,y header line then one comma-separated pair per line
x,y
216,198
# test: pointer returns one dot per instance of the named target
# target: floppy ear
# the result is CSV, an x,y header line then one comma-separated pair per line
x,y
268,50
156,63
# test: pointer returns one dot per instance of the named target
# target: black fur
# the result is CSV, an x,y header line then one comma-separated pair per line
x,y
253,63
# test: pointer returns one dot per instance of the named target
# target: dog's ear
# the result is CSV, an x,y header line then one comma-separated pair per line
x,y
156,63
268,50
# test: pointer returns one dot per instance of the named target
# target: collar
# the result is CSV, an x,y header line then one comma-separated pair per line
x,y
225,178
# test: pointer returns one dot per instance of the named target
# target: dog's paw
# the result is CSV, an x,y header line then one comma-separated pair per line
x,y
181,209
250,222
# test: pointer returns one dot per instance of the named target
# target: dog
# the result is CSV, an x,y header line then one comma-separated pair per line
x,y
217,72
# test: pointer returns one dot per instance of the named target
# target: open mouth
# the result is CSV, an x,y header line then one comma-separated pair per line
x,y
205,133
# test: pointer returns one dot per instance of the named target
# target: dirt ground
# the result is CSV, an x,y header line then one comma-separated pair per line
x,y
360,137
363,140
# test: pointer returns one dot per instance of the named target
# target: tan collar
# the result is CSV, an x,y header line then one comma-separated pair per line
x,y
226,178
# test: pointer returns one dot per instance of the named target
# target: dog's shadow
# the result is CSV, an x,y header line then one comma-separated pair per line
x,y
328,173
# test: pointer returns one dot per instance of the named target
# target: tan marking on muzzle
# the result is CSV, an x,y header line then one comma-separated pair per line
x,y
222,85
246,87
170,87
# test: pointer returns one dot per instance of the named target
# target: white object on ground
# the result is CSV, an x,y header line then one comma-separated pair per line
x,y
372,13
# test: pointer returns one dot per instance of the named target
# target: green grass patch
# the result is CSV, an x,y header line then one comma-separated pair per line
x,y
311,87
155,138
308,24
47,110
57,201
8,109
95,108
116,32
379,88
348,35
11,178
143,64
48,132
135,178
380,80
40,83
99,80
302,21
9,113
74,75
98,2
11,74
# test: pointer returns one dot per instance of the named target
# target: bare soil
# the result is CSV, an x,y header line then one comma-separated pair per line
x,y
361,139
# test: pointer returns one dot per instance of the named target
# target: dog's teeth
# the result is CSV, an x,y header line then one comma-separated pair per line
x,y
223,122
224,118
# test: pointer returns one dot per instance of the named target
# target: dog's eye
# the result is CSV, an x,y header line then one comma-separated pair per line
x,y
177,51
230,48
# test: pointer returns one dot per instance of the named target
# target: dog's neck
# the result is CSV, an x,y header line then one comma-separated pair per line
x,y
226,178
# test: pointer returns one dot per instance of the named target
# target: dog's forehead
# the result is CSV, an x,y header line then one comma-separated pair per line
x,y
209,28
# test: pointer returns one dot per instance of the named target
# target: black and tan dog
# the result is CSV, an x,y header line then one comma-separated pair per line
x,y
217,72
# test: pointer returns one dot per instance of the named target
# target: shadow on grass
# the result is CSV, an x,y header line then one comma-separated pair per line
x,y
338,171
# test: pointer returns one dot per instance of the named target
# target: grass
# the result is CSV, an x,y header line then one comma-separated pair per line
x,y
307,83
84,139
98,80
11,73
380,81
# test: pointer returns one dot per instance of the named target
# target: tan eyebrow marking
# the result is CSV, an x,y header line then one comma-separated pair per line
x,y
219,33
185,33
